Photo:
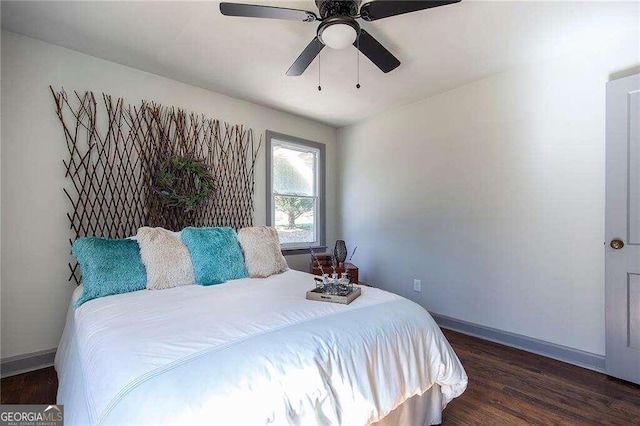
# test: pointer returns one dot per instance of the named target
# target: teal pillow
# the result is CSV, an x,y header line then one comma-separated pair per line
x,y
215,253
109,267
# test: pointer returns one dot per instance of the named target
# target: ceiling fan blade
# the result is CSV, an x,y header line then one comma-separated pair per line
x,y
255,11
306,57
376,52
385,8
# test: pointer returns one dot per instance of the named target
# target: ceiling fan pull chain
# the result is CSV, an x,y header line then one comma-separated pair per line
x,y
319,86
358,62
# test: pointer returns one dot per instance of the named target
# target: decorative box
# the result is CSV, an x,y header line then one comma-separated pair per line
x,y
320,295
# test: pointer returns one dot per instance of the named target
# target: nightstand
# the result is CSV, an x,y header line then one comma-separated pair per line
x,y
349,268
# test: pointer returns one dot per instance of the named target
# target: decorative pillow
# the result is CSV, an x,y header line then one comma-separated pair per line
x,y
262,254
108,267
215,253
166,258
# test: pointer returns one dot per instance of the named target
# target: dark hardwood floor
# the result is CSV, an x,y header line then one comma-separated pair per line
x,y
506,387
37,387
512,387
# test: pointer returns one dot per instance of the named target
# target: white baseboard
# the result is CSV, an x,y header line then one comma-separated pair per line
x,y
19,364
551,350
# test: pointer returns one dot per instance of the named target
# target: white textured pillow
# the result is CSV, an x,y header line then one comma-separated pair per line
x,y
166,258
262,254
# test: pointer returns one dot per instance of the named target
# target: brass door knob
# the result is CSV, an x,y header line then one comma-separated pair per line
x,y
616,244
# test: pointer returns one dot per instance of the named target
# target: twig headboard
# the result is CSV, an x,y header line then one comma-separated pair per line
x,y
116,149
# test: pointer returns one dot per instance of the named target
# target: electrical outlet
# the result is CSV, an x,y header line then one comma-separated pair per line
x,y
417,285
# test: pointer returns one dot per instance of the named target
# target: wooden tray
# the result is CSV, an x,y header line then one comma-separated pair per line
x,y
314,294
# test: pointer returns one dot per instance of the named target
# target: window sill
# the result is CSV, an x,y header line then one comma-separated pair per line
x,y
292,251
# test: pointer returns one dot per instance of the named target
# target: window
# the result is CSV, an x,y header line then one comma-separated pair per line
x,y
295,191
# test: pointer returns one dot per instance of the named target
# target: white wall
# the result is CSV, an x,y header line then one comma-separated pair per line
x,y
35,231
493,195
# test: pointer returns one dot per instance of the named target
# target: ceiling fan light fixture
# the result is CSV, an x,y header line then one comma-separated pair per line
x,y
338,27
338,35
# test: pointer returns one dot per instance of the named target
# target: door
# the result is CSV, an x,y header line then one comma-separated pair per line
x,y
622,229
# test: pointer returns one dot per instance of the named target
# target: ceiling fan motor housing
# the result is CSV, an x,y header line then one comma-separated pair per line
x,y
338,28
333,8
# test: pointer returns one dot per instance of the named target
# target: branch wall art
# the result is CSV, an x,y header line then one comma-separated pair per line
x,y
152,165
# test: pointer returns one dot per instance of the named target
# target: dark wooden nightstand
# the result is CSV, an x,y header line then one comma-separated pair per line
x,y
349,268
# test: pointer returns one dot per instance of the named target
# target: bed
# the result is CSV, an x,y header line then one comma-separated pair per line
x,y
251,352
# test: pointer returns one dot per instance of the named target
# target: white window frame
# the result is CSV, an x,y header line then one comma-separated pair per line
x,y
290,142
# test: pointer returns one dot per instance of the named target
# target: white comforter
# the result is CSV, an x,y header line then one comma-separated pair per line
x,y
255,351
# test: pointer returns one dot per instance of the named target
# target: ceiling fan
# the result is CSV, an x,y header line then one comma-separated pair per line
x,y
338,26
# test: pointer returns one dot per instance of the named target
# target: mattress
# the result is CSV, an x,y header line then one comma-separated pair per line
x,y
251,351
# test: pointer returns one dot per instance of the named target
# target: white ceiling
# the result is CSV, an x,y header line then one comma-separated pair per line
x,y
247,58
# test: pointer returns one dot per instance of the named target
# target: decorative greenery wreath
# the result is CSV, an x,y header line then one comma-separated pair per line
x,y
184,182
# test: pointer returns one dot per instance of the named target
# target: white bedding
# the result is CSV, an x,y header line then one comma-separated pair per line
x,y
249,352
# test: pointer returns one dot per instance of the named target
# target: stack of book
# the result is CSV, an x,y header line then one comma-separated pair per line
x,y
325,259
